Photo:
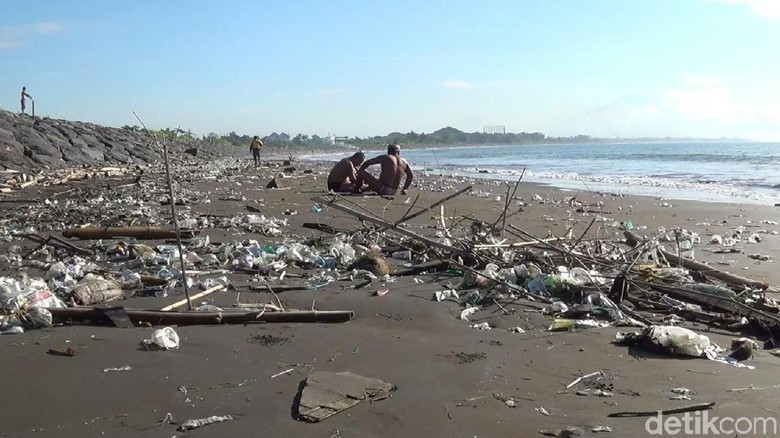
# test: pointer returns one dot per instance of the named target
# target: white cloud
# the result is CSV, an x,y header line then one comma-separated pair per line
x,y
719,105
701,106
764,8
456,85
14,37
44,28
697,80
707,103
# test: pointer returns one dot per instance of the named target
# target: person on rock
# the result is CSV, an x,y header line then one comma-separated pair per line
x,y
25,95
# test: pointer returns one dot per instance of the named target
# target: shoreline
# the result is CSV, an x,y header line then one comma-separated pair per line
x,y
580,183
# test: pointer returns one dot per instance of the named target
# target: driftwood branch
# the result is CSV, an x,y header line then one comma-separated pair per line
x,y
726,277
689,408
157,317
396,228
409,217
137,232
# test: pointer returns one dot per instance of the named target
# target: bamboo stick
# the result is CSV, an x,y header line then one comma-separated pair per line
x,y
197,296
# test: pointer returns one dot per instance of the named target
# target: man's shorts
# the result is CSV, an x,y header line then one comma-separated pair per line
x,y
340,187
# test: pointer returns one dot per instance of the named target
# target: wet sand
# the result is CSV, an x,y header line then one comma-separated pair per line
x,y
449,377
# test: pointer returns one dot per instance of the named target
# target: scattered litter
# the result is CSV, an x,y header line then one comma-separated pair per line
x,y
69,352
567,432
194,424
675,340
679,341
585,377
446,294
542,411
283,373
164,339
124,368
465,313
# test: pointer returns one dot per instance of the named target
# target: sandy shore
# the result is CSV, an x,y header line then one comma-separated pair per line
x,y
450,378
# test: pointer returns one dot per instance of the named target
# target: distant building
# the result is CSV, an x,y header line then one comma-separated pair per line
x,y
277,138
494,129
336,140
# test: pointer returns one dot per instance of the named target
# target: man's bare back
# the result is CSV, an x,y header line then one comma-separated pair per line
x,y
344,174
343,171
393,168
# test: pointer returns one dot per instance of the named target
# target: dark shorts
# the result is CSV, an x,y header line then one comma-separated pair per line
x,y
386,190
256,153
340,187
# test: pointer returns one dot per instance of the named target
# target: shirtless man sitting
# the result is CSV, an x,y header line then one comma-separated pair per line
x,y
343,176
393,168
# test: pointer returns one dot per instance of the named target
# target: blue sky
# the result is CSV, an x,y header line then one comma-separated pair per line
x,y
630,68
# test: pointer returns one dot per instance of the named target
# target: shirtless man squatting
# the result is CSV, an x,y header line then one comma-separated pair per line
x,y
393,168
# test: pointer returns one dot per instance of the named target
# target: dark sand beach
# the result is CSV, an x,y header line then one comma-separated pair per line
x,y
452,380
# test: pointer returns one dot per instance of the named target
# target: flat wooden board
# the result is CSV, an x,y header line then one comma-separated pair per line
x,y
327,393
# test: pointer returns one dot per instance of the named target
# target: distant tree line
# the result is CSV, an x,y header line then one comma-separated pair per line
x,y
443,136
452,136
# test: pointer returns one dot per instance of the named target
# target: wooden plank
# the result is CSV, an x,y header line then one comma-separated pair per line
x,y
327,393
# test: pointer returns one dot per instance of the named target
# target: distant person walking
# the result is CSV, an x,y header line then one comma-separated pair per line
x,y
25,95
393,168
255,147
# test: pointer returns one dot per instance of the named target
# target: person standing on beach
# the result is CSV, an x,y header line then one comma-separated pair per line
x,y
393,168
25,95
343,176
254,148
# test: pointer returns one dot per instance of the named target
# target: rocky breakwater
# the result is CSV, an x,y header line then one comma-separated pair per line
x,y
28,144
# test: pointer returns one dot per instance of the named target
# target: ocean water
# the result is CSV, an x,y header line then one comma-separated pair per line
x,y
737,172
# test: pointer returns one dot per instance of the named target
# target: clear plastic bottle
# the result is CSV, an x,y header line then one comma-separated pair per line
x,y
402,255
246,261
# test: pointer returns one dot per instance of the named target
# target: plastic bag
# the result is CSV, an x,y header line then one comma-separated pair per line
x,y
446,294
165,338
95,290
556,307
39,317
343,252
678,340
194,424
208,283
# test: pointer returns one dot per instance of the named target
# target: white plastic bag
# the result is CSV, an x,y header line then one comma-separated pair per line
x,y
165,338
679,340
